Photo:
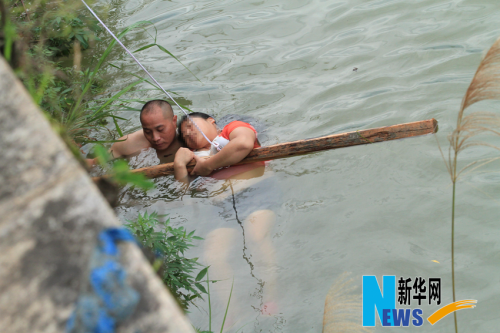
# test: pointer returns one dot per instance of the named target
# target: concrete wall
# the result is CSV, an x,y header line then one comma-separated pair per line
x,y
50,214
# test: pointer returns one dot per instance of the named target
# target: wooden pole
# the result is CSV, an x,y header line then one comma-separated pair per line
x,y
302,147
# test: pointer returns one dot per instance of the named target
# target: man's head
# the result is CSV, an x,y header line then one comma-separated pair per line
x,y
159,123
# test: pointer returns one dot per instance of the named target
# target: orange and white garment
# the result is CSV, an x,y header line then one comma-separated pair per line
x,y
223,138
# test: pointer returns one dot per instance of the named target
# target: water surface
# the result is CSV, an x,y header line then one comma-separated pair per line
x,y
381,209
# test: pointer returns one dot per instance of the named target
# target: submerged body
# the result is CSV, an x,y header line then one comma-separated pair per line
x,y
236,140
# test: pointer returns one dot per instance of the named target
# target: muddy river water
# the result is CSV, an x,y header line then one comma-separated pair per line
x,y
306,68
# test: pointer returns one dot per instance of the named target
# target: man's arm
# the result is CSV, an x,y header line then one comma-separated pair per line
x,y
132,144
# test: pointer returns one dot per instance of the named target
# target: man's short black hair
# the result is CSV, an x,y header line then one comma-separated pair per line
x,y
153,106
185,118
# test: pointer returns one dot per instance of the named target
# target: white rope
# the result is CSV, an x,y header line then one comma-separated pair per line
x,y
151,76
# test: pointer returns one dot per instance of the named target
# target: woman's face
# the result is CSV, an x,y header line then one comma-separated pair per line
x,y
194,139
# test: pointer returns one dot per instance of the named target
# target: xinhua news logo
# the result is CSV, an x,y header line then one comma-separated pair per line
x,y
381,300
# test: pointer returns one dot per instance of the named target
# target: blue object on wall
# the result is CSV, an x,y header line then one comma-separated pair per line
x,y
108,299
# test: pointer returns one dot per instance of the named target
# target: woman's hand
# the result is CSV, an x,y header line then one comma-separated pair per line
x,y
202,167
183,156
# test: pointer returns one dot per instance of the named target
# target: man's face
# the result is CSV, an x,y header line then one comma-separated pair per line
x,y
160,132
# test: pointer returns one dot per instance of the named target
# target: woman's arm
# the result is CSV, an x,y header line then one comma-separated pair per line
x,y
241,143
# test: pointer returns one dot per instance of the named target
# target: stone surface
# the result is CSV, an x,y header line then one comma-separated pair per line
x,y
51,214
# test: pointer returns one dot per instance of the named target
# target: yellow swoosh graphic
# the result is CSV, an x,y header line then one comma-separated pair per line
x,y
452,307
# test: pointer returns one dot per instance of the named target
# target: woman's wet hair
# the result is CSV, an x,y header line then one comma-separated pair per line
x,y
185,118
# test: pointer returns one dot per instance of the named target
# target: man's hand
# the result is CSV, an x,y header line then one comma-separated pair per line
x,y
202,167
91,162
183,156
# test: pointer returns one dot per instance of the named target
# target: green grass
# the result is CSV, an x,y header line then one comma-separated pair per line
x,y
46,35
210,308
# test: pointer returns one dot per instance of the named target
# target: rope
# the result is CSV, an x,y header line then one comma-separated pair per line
x,y
151,76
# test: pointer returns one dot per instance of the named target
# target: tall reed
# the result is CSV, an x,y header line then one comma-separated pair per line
x,y
484,86
343,306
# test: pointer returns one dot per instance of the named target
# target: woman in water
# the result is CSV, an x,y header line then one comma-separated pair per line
x,y
235,141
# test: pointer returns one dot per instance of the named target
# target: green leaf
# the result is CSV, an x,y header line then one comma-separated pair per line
x,y
201,288
201,274
121,118
121,173
149,82
120,133
117,95
157,264
102,141
144,47
227,308
102,154
169,53
81,39
106,53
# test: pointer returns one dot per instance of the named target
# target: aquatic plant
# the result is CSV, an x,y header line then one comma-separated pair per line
x,y
36,37
343,306
166,247
484,86
119,171
208,281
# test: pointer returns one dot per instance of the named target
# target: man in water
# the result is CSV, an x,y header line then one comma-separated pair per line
x,y
158,131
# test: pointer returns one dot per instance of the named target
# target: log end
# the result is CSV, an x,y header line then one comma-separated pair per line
x,y
435,125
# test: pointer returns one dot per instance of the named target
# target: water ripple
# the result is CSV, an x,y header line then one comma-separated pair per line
x,y
312,67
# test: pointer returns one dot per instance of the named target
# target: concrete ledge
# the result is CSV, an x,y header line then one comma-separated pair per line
x,y
51,215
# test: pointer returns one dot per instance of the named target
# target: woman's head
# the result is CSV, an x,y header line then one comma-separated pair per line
x,y
190,135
